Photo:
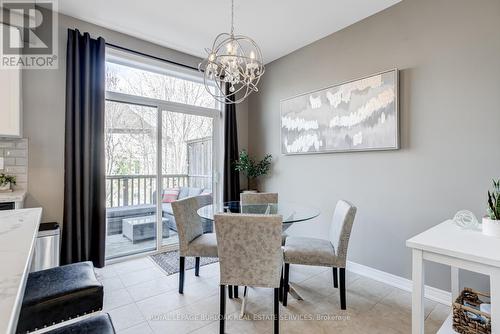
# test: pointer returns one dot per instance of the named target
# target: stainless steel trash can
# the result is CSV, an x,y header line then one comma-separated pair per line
x,y
46,254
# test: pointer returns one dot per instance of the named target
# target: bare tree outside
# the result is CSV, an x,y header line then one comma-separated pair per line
x,y
131,134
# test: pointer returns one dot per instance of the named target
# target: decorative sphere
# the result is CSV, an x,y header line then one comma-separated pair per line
x,y
235,60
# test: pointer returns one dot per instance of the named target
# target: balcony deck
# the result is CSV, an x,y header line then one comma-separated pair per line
x,y
117,245
129,196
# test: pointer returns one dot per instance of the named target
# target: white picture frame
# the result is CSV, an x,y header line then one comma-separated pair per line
x,y
353,116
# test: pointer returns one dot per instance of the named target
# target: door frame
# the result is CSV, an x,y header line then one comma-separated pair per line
x,y
217,150
216,116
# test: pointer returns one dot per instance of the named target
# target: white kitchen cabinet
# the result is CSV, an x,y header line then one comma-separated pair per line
x,y
10,96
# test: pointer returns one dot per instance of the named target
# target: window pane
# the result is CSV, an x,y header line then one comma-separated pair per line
x,y
134,81
130,149
186,164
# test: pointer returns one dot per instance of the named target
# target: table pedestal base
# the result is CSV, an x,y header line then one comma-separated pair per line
x,y
294,293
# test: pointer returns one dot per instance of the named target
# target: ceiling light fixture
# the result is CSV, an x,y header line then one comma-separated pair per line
x,y
235,60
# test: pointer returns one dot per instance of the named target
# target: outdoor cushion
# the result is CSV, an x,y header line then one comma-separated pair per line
x,y
183,192
167,208
309,251
194,191
170,195
99,324
58,294
205,246
132,210
189,192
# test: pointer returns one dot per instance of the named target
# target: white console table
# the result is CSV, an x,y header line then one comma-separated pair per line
x,y
451,245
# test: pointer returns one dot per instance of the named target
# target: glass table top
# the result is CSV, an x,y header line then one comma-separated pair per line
x,y
291,212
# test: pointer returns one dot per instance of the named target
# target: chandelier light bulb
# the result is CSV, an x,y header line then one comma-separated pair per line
x,y
229,48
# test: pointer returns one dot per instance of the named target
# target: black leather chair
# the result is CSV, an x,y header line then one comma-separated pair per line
x,y
59,294
99,324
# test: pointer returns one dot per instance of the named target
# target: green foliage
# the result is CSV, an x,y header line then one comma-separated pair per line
x,y
7,179
251,168
494,201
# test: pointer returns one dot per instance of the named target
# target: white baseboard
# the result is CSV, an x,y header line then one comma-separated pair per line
x,y
437,295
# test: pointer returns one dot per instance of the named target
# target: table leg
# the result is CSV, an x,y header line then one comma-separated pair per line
x,y
495,301
455,283
417,307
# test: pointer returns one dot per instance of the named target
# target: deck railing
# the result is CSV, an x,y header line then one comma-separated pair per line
x,y
126,190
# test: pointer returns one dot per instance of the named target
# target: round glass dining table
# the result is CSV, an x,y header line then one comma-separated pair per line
x,y
291,212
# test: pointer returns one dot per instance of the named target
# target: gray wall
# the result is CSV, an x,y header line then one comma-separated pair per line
x,y
448,52
44,109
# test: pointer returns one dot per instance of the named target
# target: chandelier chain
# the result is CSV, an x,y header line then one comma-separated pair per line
x,y
232,17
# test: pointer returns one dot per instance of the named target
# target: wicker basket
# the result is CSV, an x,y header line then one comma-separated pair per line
x,y
462,320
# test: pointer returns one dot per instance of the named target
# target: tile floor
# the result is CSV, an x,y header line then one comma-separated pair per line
x,y
141,299
117,245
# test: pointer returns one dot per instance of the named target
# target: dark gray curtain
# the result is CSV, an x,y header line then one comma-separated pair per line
x,y
231,177
84,229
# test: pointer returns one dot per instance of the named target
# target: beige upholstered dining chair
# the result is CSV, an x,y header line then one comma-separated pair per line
x,y
258,198
325,253
192,241
261,198
250,254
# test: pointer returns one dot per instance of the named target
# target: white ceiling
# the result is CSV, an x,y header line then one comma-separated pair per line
x,y
278,26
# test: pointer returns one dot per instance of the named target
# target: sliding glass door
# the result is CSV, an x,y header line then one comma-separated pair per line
x,y
162,141
131,171
187,165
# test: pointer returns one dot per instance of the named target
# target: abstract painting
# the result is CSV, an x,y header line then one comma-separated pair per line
x,y
359,115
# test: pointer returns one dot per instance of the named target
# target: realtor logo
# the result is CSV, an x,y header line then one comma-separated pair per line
x,y
28,34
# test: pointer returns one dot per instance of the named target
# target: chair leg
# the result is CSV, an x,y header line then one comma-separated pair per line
x,y
286,285
276,311
335,277
281,286
197,266
181,274
342,289
222,315
236,291
230,291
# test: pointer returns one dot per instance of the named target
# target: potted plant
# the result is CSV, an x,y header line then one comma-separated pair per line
x,y
6,182
491,222
252,169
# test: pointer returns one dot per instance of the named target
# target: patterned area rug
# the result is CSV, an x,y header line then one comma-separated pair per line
x,y
169,261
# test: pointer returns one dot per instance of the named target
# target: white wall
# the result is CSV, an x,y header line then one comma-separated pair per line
x,y
448,52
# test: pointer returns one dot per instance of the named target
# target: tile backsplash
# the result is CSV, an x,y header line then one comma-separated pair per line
x,y
15,155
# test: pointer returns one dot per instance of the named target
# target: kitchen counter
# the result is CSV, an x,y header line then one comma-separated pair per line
x,y
13,196
18,231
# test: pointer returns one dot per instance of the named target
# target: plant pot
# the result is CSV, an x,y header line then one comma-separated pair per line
x,y
5,187
491,227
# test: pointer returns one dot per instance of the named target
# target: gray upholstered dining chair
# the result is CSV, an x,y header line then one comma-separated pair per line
x,y
258,198
250,254
192,240
325,253
261,198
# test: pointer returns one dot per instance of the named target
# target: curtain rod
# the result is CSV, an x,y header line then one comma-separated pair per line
x,y
150,56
